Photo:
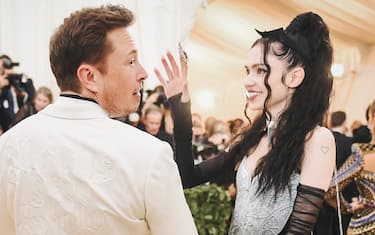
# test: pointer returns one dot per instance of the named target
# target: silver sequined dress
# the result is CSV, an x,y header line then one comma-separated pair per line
x,y
260,215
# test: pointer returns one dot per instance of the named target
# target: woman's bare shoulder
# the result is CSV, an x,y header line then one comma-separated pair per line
x,y
319,158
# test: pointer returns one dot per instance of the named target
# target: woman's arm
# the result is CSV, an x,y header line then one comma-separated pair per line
x,y
319,159
191,174
177,92
316,173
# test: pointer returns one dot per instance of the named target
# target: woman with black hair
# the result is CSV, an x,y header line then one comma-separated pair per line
x,y
285,159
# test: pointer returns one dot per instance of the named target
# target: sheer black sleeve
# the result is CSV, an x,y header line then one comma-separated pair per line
x,y
192,175
306,209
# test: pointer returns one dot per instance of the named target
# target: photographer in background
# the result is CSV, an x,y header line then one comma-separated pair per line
x,y
43,97
16,89
158,98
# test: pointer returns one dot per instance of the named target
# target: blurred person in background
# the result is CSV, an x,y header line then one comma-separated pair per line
x,y
328,219
209,126
158,98
343,142
43,97
220,135
16,89
198,129
236,126
360,132
152,119
360,169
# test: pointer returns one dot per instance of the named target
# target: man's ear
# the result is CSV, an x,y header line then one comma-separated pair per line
x,y
86,75
295,77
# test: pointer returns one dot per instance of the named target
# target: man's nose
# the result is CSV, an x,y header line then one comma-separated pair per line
x,y
142,74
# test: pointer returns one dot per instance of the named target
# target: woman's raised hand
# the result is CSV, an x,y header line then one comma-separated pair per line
x,y
177,76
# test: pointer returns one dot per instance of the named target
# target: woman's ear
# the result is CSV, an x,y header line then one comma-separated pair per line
x,y
86,76
295,77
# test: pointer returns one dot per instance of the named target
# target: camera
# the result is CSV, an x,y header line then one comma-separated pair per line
x,y
161,100
18,81
22,85
205,149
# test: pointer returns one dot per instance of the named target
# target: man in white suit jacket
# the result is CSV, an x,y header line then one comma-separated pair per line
x,y
71,169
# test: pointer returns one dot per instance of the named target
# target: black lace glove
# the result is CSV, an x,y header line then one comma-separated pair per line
x,y
306,209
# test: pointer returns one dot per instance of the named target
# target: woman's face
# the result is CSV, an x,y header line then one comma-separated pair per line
x,y
255,80
41,101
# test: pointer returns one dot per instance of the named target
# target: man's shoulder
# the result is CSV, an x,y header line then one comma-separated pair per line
x,y
137,136
144,147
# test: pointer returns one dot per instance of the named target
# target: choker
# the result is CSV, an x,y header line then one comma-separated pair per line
x,y
78,97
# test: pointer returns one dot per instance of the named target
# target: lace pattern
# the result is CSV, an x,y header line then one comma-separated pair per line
x,y
262,215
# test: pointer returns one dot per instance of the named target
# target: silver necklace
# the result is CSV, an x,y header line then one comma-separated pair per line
x,y
271,126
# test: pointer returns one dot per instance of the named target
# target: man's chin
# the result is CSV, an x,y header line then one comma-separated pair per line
x,y
124,114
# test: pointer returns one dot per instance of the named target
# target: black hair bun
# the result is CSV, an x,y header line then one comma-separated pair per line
x,y
311,28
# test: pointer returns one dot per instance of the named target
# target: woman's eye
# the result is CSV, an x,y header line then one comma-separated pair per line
x,y
261,71
247,70
132,61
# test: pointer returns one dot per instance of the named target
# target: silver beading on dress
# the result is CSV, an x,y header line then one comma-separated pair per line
x,y
260,215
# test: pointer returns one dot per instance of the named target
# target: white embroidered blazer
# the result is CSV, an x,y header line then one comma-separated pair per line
x,y
71,170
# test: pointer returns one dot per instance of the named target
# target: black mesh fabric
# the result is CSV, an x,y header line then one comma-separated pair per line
x,y
306,209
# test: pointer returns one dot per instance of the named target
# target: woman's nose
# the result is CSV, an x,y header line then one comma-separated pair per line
x,y
249,80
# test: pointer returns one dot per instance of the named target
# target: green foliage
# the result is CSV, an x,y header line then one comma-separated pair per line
x,y
211,207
